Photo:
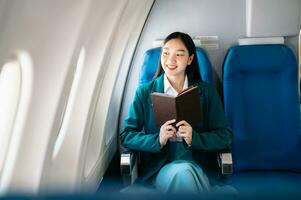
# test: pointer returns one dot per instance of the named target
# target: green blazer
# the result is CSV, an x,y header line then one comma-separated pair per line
x,y
140,132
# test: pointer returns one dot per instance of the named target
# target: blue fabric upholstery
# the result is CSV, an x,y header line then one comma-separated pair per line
x,y
152,58
268,182
261,99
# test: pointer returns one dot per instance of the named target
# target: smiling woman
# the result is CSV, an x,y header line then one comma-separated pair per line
x,y
175,163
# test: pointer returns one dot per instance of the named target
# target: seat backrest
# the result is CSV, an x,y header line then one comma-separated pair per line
x,y
152,58
261,99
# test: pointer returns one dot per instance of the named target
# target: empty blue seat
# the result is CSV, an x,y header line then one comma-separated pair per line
x,y
152,58
261,99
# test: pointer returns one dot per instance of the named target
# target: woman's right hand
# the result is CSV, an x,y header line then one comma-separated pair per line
x,y
167,131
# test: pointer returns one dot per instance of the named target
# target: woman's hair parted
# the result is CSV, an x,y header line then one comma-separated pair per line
x,y
192,70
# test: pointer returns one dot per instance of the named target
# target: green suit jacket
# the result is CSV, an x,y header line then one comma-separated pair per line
x,y
140,132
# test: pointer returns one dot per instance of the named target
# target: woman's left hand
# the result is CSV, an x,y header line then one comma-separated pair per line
x,y
185,131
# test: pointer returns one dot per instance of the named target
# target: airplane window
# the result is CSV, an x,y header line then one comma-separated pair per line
x,y
65,118
10,82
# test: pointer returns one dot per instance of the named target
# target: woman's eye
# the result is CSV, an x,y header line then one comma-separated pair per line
x,y
180,55
165,53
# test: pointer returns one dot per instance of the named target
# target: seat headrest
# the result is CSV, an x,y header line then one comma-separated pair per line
x,y
152,59
259,58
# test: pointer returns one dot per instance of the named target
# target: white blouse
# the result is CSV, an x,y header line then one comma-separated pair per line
x,y
168,89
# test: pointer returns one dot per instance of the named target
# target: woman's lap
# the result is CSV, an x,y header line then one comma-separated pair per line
x,y
179,176
182,176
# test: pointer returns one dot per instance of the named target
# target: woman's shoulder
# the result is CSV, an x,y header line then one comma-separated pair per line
x,y
205,86
206,89
145,88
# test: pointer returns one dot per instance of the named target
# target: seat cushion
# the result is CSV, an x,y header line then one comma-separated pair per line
x,y
266,182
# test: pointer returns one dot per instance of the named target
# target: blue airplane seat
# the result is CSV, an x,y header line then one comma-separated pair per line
x,y
261,99
152,58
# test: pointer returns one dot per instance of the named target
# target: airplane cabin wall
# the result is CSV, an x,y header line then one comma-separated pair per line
x,y
79,53
37,28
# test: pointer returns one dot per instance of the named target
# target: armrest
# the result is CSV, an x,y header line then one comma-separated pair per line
x,y
225,162
128,166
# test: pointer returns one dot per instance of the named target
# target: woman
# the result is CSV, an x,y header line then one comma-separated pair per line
x,y
168,164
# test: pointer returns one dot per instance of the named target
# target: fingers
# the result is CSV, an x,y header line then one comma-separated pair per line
x,y
170,127
183,134
169,122
185,131
187,137
183,122
182,129
170,134
167,131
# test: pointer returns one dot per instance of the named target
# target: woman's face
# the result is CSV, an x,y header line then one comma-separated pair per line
x,y
175,58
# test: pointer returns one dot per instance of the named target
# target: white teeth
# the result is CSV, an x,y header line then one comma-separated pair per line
x,y
169,67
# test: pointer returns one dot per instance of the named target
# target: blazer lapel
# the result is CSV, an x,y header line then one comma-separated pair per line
x,y
158,85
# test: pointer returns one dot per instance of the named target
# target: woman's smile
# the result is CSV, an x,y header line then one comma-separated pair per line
x,y
171,67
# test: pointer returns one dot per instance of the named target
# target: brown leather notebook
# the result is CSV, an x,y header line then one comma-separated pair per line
x,y
186,106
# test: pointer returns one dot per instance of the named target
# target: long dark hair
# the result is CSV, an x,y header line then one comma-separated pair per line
x,y
192,70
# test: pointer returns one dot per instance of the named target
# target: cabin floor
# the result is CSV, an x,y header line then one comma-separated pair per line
x,y
112,180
